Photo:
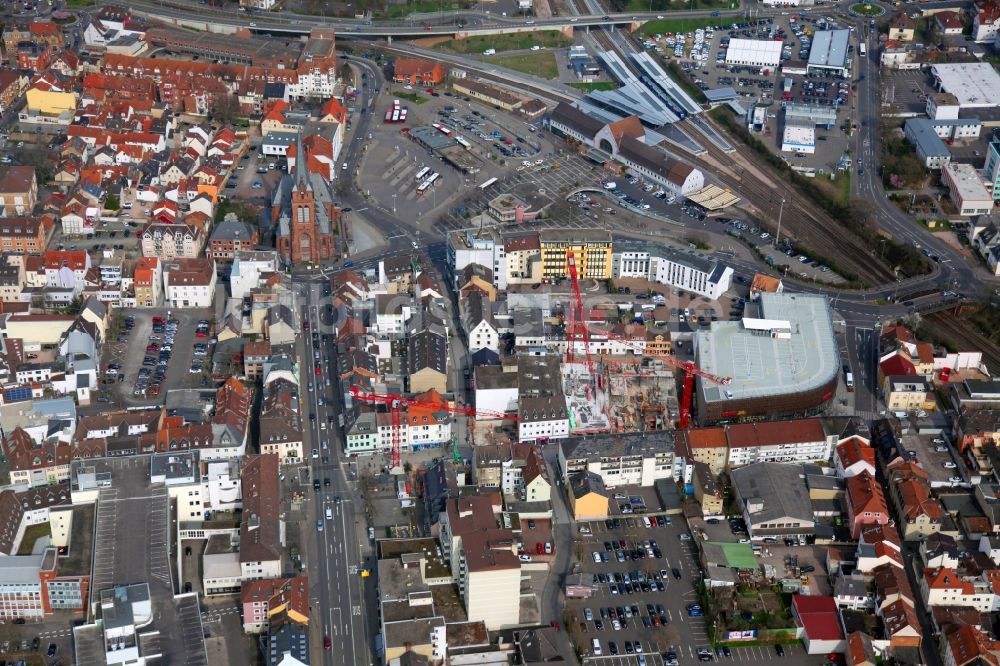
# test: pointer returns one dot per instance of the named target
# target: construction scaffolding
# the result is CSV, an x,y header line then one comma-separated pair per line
x,y
641,394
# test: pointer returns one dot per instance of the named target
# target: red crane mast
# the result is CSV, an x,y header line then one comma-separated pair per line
x,y
577,325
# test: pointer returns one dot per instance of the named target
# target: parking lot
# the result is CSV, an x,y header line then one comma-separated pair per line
x,y
148,371
630,579
630,613
391,160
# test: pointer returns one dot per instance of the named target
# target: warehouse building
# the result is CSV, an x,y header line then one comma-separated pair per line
x,y
754,52
784,362
975,85
829,52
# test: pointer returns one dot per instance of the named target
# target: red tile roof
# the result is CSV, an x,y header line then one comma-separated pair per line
x,y
819,617
897,365
770,433
855,450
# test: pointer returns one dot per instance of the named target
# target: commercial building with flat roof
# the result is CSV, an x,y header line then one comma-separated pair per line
x,y
974,84
785,362
967,189
829,52
798,139
754,52
928,136
774,500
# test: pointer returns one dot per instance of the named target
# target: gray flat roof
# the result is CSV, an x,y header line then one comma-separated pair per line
x,y
920,132
780,490
829,48
761,365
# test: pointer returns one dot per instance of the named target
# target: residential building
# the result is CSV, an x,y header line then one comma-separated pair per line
x,y
189,283
619,460
172,240
24,235
18,190
230,236
483,560
866,504
986,21
919,514
968,645
901,28
416,72
147,282
272,602
588,497
428,361
260,527
908,393
683,271
797,440
854,456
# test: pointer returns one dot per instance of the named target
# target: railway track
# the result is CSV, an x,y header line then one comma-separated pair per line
x,y
801,219
953,328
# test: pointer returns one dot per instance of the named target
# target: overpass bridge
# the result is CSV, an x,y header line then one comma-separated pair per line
x,y
458,25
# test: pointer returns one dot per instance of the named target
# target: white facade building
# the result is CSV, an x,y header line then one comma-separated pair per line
x,y
702,276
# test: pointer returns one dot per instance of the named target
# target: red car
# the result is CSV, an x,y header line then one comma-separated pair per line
x,y
539,549
427,27
152,348
157,320
317,370
327,643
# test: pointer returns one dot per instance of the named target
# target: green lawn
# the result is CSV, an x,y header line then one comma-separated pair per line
x,y
595,85
512,42
673,5
424,7
540,63
32,534
685,24
413,97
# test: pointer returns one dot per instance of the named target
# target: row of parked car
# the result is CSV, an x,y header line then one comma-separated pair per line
x,y
159,348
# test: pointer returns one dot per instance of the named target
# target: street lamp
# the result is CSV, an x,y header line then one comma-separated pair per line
x,y
781,210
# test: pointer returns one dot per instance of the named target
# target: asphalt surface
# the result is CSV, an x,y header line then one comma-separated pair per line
x,y
338,548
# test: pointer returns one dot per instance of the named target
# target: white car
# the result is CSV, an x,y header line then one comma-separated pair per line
x,y
684,536
524,558
536,47
949,465
955,479
315,454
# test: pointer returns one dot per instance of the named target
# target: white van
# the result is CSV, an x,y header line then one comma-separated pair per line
x,y
329,513
597,648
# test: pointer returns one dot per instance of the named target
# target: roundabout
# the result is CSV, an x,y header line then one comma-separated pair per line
x,y
867,9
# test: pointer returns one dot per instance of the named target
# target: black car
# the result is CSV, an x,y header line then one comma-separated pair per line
x,y
326,481
52,650
676,572
779,650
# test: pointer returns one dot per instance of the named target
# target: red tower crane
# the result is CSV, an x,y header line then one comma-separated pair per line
x,y
576,327
396,404
689,369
